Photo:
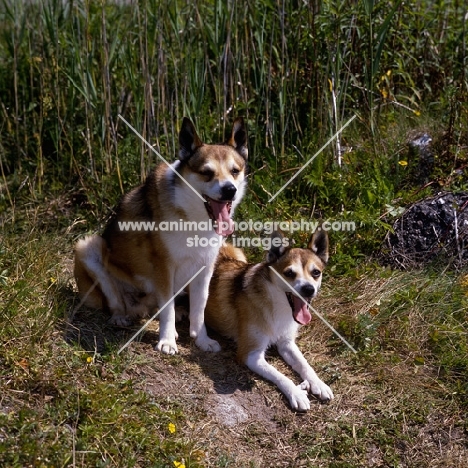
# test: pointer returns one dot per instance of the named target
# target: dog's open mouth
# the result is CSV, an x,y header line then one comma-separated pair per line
x,y
300,309
220,213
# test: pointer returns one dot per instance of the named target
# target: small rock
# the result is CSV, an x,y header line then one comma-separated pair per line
x,y
436,227
226,410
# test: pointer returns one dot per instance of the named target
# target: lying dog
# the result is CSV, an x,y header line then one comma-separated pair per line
x,y
263,304
133,272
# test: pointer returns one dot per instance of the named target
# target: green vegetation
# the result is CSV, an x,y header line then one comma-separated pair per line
x,y
297,71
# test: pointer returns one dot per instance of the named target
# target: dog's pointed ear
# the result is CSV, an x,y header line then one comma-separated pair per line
x,y
238,138
279,245
318,243
188,140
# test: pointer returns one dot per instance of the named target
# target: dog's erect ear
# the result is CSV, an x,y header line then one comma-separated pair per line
x,y
279,245
188,140
238,138
318,243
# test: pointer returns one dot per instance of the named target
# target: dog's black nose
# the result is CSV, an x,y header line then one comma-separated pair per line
x,y
307,291
228,191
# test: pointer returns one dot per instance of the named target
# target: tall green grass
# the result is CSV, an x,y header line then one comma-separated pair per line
x,y
297,71
68,68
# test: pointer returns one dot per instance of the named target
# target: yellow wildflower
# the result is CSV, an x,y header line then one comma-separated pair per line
x,y
179,464
403,163
171,427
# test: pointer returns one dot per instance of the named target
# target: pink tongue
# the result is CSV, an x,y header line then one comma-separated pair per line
x,y
225,225
301,311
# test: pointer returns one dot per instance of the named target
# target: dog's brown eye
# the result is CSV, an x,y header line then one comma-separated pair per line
x,y
207,173
316,273
289,274
235,171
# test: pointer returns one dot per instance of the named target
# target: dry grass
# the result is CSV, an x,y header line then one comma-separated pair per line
x,y
68,398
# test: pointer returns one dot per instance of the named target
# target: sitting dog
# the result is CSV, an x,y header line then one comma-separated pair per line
x,y
265,304
134,272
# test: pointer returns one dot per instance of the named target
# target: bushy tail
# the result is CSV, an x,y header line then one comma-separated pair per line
x,y
89,265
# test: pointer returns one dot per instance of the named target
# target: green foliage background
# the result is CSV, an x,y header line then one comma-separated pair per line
x,y
68,68
296,70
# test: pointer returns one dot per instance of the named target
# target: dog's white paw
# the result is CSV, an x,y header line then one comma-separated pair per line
x,y
120,321
207,344
298,399
167,347
319,389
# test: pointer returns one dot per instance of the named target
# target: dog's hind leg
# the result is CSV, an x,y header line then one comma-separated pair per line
x,y
89,256
88,287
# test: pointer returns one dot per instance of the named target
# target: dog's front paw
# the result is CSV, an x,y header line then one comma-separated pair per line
x,y
167,347
120,321
298,399
319,389
207,344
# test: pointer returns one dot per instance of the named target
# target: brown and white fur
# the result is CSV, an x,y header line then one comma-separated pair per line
x,y
132,273
249,303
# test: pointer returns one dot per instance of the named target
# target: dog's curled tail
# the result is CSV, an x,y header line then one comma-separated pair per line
x,y
230,252
89,268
